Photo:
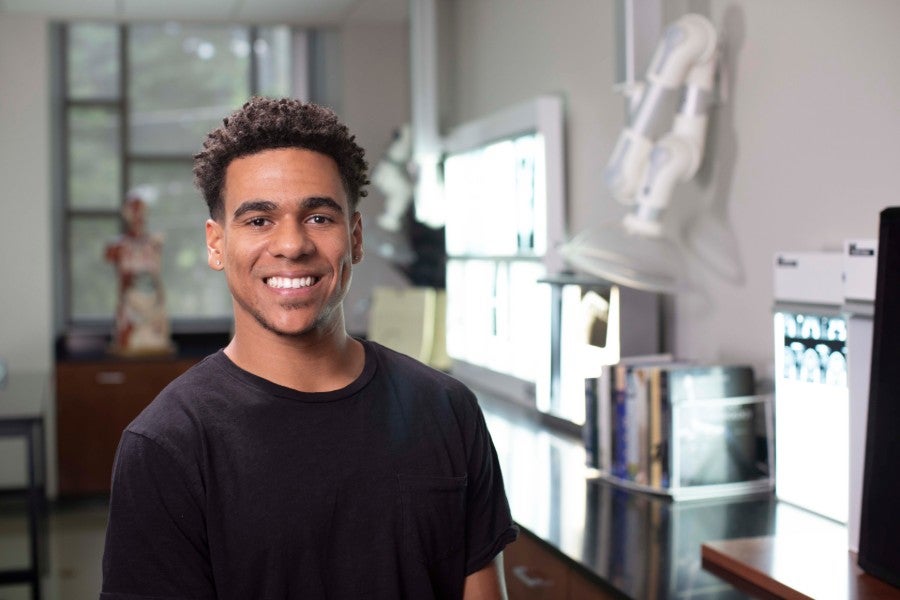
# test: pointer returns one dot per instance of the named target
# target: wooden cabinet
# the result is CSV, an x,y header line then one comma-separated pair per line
x,y
580,588
95,401
534,572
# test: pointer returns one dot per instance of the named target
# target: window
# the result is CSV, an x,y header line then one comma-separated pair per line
x,y
504,193
137,101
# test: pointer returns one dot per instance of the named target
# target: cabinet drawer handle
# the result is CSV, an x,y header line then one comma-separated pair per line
x,y
110,378
536,581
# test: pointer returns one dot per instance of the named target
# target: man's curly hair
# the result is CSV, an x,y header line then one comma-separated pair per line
x,y
266,124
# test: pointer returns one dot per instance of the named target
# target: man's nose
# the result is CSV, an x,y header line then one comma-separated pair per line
x,y
291,240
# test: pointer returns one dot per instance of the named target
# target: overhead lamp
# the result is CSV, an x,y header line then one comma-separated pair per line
x,y
649,159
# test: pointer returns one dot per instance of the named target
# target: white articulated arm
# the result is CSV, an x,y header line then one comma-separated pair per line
x,y
392,178
693,113
652,155
685,58
670,161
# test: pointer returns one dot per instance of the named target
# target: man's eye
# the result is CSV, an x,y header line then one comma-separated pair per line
x,y
257,221
319,219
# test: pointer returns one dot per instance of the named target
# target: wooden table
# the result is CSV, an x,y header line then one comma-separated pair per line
x,y
807,560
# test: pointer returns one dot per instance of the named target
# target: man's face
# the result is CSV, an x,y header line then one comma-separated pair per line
x,y
286,242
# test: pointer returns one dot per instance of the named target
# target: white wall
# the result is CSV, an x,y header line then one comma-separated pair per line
x,y
26,298
375,100
26,322
801,154
507,51
812,132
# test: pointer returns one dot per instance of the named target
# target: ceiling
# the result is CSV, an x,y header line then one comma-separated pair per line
x,y
293,12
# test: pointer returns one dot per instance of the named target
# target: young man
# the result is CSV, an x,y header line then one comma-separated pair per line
x,y
299,462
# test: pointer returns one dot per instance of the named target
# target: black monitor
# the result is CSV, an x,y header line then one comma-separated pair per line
x,y
879,536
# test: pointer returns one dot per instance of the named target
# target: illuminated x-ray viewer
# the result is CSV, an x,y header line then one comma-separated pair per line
x,y
812,400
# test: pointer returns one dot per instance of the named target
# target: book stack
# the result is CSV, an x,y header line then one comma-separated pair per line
x,y
680,429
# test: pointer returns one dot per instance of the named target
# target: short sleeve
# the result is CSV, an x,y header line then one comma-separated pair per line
x,y
489,524
156,544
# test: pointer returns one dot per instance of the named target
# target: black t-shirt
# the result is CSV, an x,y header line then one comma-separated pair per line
x,y
230,486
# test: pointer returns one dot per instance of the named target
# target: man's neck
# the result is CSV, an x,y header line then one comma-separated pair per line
x,y
306,364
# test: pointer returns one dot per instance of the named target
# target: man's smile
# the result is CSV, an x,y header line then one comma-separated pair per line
x,y
290,282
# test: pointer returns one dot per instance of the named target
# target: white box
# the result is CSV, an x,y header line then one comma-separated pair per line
x,y
809,277
860,269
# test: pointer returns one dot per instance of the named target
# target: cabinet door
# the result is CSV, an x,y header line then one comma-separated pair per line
x,y
582,589
532,572
95,402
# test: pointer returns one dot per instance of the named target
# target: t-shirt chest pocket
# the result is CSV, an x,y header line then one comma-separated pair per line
x,y
434,515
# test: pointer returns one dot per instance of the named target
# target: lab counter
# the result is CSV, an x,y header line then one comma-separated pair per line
x,y
625,542
633,544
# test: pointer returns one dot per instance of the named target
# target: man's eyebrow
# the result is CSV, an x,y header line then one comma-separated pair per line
x,y
315,202
254,206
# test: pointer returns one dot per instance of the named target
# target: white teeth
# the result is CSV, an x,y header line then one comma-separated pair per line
x,y
290,282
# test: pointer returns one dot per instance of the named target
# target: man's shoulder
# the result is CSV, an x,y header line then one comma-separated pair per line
x,y
398,364
422,386
177,407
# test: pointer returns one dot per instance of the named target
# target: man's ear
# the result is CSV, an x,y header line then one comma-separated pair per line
x,y
214,242
356,237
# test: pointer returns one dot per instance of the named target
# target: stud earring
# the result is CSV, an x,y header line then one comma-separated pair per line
x,y
218,263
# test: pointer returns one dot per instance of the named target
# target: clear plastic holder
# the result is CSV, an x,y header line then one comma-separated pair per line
x,y
720,447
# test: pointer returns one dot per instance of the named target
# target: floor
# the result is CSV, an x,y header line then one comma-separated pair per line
x,y
75,533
